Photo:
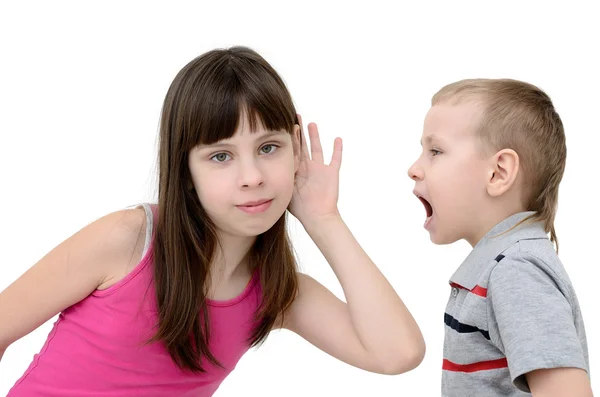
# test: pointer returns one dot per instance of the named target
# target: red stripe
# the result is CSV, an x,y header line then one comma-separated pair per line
x,y
477,290
474,367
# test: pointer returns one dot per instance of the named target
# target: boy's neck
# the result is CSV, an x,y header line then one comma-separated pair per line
x,y
492,218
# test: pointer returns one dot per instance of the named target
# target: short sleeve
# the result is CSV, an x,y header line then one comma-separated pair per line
x,y
530,319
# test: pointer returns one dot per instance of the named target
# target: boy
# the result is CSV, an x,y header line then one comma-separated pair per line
x,y
493,156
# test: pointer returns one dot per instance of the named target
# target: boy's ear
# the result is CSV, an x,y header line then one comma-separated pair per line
x,y
503,172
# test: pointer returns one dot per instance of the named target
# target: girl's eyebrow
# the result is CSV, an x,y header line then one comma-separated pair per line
x,y
224,143
270,134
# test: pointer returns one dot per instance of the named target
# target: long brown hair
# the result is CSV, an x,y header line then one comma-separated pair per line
x,y
522,117
203,105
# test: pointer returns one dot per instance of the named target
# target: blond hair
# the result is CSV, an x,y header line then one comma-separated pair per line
x,y
520,116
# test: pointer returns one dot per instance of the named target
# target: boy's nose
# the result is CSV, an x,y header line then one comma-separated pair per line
x,y
415,173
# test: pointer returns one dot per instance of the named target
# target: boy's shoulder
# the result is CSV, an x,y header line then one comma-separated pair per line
x,y
525,256
533,314
509,241
514,290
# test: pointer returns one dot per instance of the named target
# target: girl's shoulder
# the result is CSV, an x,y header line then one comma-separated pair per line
x,y
132,236
95,257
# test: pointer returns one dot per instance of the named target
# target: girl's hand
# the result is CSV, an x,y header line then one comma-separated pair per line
x,y
317,184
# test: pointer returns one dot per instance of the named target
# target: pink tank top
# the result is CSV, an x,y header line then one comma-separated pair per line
x,y
96,347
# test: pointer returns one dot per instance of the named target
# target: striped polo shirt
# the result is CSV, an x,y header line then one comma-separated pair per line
x,y
512,309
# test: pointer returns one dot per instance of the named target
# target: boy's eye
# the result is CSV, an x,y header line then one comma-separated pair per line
x,y
220,157
435,152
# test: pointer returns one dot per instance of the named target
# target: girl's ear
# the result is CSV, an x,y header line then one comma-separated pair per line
x,y
297,142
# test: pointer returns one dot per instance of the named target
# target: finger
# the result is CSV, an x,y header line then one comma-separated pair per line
x,y
336,158
316,150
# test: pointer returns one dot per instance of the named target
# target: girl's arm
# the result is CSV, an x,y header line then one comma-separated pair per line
x,y
69,273
374,330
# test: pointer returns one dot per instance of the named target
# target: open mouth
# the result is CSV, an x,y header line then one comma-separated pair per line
x,y
428,207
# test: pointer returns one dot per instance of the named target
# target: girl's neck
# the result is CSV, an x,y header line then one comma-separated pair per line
x,y
230,270
231,255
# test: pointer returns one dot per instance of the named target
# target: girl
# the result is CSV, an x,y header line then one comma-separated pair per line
x,y
163,300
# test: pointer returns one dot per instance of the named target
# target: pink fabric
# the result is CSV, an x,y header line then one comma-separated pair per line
x,y
96,347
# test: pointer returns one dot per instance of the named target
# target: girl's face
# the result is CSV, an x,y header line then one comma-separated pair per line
x,y
245,183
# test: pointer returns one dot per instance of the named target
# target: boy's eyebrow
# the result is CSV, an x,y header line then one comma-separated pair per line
x,y
258,138
429,139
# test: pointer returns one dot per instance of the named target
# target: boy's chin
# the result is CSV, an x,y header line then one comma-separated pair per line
x,y
438,239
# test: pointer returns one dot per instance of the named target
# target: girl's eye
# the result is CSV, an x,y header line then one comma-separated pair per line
x,y
435,152
223,157
220,157
268,149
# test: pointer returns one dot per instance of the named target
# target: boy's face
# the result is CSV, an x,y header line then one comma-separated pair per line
x,y
450,174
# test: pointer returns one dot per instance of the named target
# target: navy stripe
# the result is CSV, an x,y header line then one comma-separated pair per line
x,y
499,258
463,328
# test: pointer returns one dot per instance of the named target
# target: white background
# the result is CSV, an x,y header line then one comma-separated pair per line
x,y
82,84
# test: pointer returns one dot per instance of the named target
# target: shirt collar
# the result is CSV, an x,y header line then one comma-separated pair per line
x,y
497,240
